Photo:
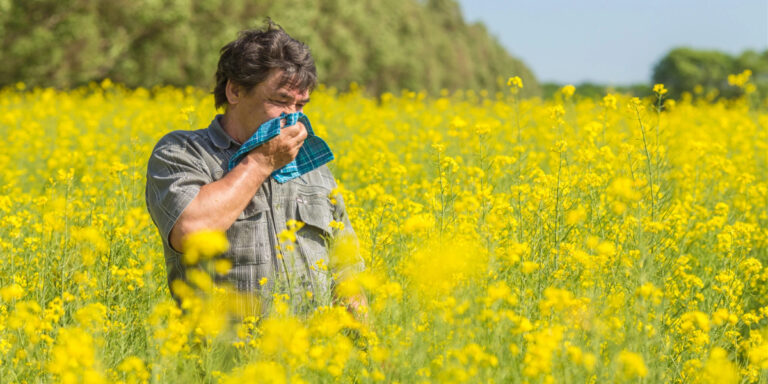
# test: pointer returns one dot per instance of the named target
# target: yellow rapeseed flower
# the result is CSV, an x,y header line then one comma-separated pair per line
x,y
530,266
632,365
741,79
719,369
568,90
204,245
12,292
609,101
515,82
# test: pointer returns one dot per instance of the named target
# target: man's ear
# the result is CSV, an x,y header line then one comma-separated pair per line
x,y
233,92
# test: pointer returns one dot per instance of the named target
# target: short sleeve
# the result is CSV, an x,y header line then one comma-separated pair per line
x,y
174,177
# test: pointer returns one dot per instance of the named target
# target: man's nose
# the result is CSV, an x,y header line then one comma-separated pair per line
x,y
294,109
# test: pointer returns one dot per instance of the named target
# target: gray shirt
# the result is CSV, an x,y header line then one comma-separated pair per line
x,y
184,161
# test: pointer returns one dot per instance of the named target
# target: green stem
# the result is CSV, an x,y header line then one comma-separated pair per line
x,y
648,161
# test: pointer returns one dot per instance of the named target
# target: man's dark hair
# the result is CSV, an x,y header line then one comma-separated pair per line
x,y
249,59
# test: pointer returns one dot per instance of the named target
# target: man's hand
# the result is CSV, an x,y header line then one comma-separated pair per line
x,y
282,149
357,305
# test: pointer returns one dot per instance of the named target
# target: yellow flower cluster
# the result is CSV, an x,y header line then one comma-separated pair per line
x,y
505,240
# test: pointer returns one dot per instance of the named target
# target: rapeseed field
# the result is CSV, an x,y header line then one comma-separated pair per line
x,y
506,240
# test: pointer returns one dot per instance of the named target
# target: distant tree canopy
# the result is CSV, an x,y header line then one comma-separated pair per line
x,y
682,69
384,45
596,90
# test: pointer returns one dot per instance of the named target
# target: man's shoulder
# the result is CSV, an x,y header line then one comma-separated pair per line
x,y
324,171
179,141
179,147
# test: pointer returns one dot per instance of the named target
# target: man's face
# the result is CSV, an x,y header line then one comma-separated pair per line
x,y
267,101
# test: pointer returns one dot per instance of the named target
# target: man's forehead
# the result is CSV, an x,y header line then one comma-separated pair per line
x,y
277,85
291,93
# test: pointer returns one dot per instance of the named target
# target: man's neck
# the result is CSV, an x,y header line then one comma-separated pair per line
x,y
234,129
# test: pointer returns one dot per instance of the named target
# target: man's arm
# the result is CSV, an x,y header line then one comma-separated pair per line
x,y
218,204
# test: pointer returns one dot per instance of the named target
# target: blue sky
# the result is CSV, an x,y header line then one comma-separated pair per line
x,y
619,41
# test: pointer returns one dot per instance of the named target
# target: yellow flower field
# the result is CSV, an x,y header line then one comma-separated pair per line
x,y
506,241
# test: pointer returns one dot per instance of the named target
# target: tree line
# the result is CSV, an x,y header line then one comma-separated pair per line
x,y
687,70
706,71
383,45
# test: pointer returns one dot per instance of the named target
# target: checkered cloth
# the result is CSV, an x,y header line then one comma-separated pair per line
x,y
312,154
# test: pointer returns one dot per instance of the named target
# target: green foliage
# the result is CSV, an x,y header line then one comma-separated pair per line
x,y
597,91
382,45
549,89
682,69
591,90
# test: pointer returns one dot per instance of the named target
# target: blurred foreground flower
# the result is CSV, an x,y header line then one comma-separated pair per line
x,y
632,365
204,245
441,266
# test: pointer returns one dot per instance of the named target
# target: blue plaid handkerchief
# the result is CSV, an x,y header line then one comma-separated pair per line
x,y
312,154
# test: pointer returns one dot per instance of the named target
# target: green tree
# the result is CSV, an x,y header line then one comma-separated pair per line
x,y
758,64
384,45
682,69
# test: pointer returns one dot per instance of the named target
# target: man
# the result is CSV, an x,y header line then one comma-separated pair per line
x,y
261,75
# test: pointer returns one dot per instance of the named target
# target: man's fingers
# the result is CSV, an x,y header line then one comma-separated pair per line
x,y
295,132
290,141
303,132
292,130
296,143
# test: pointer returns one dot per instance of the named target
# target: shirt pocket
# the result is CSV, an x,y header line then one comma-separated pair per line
x,y
314,209
249,240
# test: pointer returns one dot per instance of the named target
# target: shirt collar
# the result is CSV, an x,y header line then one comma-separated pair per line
x,y
219,137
